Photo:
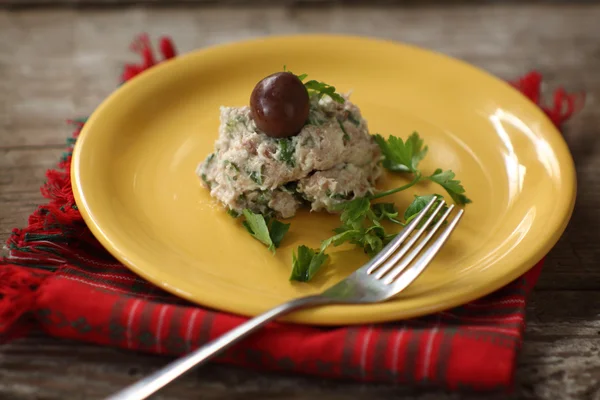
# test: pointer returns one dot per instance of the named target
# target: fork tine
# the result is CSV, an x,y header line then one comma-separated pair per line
x,y
412,273
394,244
389,264
404,262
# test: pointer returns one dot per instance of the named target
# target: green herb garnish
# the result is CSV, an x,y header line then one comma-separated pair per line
x,y
446,180
205,180
360,226
233,123
319,88
402,156
361,221
262,197
337,196
268,231
232,165
306,263
353,119
386,212
405,156
346,136
286,152
256,176
419,203
233,213
277,231
314,118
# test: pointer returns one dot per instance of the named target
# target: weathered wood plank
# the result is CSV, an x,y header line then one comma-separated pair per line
x,y
23,4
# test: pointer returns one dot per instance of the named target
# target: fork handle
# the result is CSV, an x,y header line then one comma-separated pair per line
x,y
155,381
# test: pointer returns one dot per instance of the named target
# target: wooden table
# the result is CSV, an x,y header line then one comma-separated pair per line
x,y
60,64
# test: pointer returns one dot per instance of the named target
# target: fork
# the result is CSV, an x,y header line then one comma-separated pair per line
x,y
384,276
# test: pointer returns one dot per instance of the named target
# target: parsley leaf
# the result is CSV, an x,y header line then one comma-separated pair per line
x,y
340,238
306,263
372,241
360,226
346,136
446,180
323,89
206,181
286,152
233,213
232,165
277,231
314,118
418,204
258,227
353,119
354,211
232,124
209,159
256,176
369,239
338,196
385,211
320,88
402,156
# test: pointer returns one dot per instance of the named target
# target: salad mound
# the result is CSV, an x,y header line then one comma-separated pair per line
x,y
332,159
302,143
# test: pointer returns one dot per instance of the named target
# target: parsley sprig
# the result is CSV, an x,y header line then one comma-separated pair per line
x,y
402,156
361,219
405,156
319,88
268,231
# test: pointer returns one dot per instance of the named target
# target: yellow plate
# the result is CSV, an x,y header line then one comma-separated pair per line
x,y
134,181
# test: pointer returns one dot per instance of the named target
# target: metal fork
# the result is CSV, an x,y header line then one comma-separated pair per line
x,y
381,278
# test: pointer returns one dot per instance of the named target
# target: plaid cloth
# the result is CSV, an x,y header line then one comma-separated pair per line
x,y
58,278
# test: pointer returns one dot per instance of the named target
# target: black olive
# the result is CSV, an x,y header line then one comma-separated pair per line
x,y
279,105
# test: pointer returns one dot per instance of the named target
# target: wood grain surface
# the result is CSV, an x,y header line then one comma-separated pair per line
x,y
60,64
28,4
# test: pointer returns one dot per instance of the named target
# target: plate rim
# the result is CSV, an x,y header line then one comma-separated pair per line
x,y
315,317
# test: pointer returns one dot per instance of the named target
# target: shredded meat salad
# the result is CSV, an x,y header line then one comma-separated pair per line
x,y
300,143
332,159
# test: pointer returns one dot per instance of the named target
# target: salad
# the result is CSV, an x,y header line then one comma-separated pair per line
x,y
299,143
